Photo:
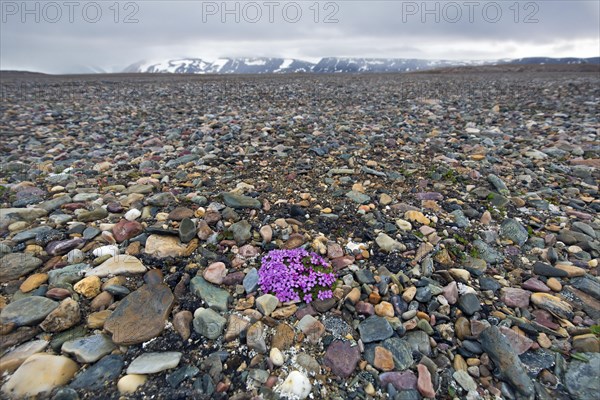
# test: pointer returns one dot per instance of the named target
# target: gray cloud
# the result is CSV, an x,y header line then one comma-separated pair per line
x,y
167,29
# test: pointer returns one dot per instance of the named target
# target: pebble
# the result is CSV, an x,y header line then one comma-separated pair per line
x,y
89,349
141,315
40,374
151,363
27,311
296,385
130,383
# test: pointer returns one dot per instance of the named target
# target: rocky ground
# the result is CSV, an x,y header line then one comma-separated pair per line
x,y
460,213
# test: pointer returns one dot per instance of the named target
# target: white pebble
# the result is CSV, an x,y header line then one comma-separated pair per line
x,y
296,385
132,214
276,357
106,250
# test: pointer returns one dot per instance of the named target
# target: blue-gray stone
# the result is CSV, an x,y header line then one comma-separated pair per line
x,y
100,375
358,197
215,297
374,329
27,311
89,349
514,230
181,374
401,352
69,274
488,253
460,219
238,201
251,281
582,377
15,265
30,233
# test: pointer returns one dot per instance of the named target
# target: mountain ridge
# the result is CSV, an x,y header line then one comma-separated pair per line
x,y
269,65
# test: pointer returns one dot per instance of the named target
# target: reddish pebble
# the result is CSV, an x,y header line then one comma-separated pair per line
x,y
424,382
58,294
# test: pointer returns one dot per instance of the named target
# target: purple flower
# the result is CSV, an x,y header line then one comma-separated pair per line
x,y
292,275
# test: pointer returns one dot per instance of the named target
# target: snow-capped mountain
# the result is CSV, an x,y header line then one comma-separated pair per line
x,y
266,65
257,65
335,64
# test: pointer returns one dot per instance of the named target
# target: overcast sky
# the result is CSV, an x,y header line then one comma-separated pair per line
x,y
70,36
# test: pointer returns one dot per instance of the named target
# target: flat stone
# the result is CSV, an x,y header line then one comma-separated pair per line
x,y
151,363
141,315
33,282
519,343
386,243
15,265
40,374
27,311
118,265
514,230
250,281
383,359
402,381
401,352
358,197
543,269
181,323
207,322
424,384
161,246
93,215
469,303
374,329
553,304
100,375
215,297
89,349
124,230
581,378
488,253
535,285
239,201
13,359
283,338
506,360
464,380
515,297
342,358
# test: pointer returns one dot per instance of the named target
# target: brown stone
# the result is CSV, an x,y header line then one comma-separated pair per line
x,y
283,337
58,293
96,320
181,323
33,282
63,317
124,230
102,301
383,360
88,287
141,315
180,213
235,326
